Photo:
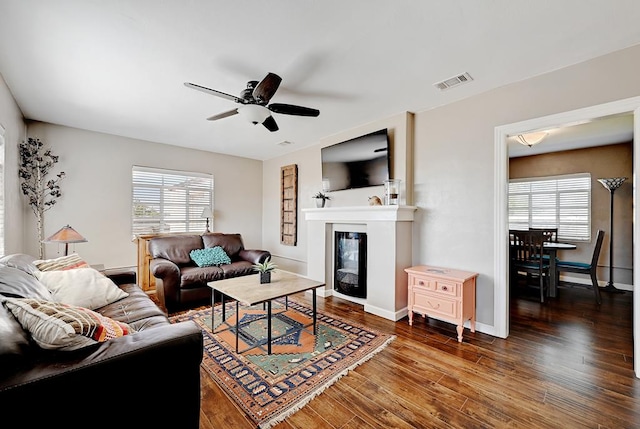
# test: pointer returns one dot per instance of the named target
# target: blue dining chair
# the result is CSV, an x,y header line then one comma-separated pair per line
x,y
586,268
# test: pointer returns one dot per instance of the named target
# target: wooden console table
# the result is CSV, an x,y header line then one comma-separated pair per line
x,y
146,280
443,293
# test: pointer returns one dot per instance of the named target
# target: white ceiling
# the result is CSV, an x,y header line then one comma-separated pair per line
x,y
119,66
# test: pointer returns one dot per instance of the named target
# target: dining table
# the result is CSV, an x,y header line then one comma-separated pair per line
x,y
551,248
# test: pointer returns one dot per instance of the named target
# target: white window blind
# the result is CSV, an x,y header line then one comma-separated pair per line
x,y
169,201
2,199
562,202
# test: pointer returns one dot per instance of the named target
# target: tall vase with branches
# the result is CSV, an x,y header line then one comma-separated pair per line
x,y
36,161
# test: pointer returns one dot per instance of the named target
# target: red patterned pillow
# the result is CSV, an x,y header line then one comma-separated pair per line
x,y
54,325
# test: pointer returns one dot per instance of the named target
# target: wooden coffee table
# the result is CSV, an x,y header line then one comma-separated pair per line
x,y
247,290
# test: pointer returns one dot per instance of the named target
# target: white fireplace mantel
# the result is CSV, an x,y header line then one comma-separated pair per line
x,y
389,252
362,214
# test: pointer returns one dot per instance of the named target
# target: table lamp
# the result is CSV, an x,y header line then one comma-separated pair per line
x,y
206,213
66,235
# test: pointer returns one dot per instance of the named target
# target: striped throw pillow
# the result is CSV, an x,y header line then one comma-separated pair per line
x,y
54,325
69,262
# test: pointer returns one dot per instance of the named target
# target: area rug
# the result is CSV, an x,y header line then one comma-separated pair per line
x,y
269,388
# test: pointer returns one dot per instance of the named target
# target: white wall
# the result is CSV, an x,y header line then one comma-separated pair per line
x,y
96,198
454,159
293,258
453,165
12,122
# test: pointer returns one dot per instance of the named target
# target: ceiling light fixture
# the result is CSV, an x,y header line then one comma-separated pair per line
x,y
255,113
531,139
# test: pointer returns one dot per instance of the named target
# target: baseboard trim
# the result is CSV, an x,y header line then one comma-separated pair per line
x,y
601,283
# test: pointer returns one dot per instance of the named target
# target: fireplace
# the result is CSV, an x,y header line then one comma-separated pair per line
x,y
350,263
389,231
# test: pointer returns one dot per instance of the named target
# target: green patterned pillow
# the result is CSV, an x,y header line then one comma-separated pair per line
x,y
210,256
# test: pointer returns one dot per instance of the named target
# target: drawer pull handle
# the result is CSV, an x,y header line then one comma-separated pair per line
x,y
435,307
444,288
421,283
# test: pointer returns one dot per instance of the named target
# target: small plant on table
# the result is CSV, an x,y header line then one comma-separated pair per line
x,y
264,269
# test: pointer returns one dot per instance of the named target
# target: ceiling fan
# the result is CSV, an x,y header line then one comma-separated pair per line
x,y
255,102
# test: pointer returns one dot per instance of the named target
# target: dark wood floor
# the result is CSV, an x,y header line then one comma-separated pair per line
x,y
566,364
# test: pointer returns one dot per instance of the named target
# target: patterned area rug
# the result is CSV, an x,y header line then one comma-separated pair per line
x,y
269,388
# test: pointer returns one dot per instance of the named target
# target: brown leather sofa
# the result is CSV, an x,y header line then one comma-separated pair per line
x,y
180,283
121,383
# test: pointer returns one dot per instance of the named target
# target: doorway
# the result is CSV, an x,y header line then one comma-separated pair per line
x,y
501,292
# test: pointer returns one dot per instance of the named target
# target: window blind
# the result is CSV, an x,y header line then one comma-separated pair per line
x,y
562,202
2,199
169,201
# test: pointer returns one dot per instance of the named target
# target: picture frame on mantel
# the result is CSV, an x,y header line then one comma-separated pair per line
x,y
289,205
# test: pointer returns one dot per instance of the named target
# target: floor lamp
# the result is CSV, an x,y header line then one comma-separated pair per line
x,y
611,184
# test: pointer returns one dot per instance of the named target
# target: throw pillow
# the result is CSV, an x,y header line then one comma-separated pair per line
x,y
62,263
18,284
210,256
20,261
54,325
12,337
85,287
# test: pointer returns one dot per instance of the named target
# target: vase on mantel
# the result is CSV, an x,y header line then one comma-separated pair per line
x,y
321,199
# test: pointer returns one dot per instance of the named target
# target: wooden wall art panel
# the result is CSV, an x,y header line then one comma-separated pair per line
x,y
289,205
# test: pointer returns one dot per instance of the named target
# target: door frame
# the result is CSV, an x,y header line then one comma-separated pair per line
x,y
501,224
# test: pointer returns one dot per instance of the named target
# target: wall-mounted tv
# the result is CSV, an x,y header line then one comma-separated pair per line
x,y
357,163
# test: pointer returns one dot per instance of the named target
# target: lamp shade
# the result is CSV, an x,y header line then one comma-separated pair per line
x,y
612,183
206,213
66,234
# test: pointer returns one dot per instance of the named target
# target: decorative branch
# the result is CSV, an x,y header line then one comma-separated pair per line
x,y
36,161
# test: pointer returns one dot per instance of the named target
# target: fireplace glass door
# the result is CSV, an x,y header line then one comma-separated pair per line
x,y
350,263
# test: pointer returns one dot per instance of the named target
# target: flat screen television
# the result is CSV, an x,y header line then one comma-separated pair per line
x,y
357,163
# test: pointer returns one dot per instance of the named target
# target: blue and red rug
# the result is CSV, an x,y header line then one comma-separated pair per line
x,y
271,387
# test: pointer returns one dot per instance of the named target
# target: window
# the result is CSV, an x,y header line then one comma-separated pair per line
x,y
562,202
169,201
2,206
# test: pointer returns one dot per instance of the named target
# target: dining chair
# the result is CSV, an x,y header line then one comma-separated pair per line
x,y
551,234
586,268
527,248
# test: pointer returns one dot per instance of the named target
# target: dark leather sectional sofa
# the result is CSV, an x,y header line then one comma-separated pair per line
x,y
180,283
149,378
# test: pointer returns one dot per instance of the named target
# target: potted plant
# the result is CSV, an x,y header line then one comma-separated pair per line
x,y
321,199
36,161
264,269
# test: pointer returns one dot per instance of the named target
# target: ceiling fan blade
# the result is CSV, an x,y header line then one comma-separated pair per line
x,y
270,124
266,88
223,115
290,109
214,92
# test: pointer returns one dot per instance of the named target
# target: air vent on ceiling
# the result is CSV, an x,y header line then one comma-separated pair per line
x,y
453,81
284,143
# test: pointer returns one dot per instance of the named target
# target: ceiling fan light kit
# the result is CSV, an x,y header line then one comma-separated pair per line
x,y
255,102
255,113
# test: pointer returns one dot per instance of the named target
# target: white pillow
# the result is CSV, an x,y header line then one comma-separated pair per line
x,y
84,287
